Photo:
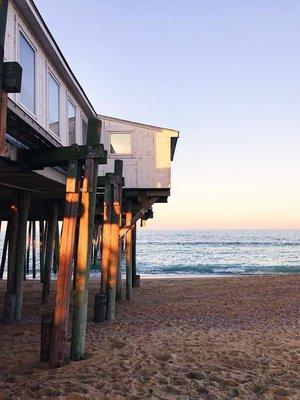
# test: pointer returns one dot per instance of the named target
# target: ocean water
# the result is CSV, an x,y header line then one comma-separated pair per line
x,y
211,253
218,252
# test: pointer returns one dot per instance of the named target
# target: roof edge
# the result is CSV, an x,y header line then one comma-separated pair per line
x,y
137,123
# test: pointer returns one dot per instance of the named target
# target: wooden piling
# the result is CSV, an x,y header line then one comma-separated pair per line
x,y
23,204
52,225
86,225
113,262
114,252
29,240
46,336
4,251
119,274
9,302
41,248
56,249
128,250
84,250
75,253
105,246
33,250
135,277
63,284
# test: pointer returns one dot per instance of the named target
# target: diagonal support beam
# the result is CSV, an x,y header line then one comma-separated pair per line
x,y
149,203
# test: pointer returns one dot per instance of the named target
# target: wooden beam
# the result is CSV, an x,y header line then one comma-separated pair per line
x,y
109,177
35,159
145,207
63,284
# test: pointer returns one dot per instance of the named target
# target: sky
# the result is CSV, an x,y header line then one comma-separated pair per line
x,y
226,74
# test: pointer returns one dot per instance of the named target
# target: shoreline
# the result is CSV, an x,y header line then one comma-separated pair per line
x,y
96,276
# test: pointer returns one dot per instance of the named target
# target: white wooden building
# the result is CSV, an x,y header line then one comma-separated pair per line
x,y
146,151
51,94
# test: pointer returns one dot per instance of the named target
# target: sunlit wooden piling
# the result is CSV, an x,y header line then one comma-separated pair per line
x,y
84,249
63,284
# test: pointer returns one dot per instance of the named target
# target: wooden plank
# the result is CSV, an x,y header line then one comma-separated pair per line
x,y
63,284
128,250
52,226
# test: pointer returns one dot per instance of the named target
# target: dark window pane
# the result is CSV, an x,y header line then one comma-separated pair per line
x,y
27,61
53,105
71,122
120,143
84,131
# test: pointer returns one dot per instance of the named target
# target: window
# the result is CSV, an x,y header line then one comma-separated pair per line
x,y
120,143
71,122
53,105
27,61
84,131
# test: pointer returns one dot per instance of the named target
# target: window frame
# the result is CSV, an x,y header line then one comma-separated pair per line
x,y
21,31
125,155
85,119
71,101
49,72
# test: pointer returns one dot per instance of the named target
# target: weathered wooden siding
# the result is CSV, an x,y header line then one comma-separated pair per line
x,y
149,165
15,24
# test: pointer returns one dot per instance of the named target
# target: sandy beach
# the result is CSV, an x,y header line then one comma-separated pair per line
x,y
184,339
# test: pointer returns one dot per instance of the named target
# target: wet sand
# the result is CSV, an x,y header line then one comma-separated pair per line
x,y
214,338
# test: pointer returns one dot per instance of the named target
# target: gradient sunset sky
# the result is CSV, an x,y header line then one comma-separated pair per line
x,y
224,73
